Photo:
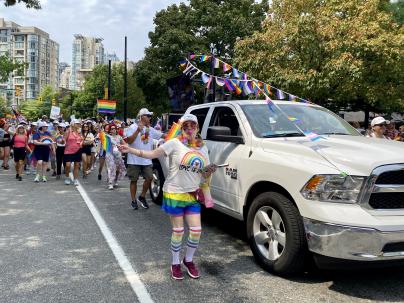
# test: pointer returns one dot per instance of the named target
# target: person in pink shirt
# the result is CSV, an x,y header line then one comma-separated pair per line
x,y
20,146
74,142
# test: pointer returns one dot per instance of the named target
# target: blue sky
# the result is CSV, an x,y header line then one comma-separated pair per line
x,y
111,20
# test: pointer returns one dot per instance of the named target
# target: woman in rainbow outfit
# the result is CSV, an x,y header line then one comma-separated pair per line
x,y
188,168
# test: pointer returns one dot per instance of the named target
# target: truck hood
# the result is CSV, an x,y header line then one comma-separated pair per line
x,y
355,155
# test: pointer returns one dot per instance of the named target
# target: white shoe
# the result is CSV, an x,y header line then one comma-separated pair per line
x,y
36,178
67,181
76,182
116,184
28,172
110,187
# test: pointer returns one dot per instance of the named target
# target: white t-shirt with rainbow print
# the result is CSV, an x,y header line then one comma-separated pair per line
x,y
185,166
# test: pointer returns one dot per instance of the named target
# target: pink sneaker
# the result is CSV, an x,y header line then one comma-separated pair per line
x,y
176,272
191,269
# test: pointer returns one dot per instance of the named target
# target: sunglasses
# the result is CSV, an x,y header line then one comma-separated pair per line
x,y
112,128
148,116
380,125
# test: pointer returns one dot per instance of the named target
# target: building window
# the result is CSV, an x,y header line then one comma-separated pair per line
x,y
19,44
18,38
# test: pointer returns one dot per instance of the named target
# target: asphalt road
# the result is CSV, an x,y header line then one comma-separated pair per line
x,y
52,250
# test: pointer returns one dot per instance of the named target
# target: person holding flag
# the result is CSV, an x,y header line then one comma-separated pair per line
x,y
113,157
189,166
140,136
73,143
43,144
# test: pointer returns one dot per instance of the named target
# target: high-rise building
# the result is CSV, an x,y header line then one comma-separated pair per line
x,y
113,57
32,46
65,75
87,53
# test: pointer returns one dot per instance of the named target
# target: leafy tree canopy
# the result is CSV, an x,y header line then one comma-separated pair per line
x,y
347,52
35,4
7,66
180,29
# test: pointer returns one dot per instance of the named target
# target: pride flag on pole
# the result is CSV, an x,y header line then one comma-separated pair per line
x,y
106,106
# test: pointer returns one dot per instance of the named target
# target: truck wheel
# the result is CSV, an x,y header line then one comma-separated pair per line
x,y
156,187
275,233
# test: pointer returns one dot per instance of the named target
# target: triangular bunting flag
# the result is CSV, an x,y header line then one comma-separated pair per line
x,y
236,74
279,94
219,81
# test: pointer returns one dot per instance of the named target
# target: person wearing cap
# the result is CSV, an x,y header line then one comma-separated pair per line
x,y
31,161
43,145
73,140
140,136
20,146
188,162
5,143
115,166
378,125
60,148
88,143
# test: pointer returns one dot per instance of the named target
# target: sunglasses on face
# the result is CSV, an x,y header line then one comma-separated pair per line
x,y
189,124
148,116
381,125
112,128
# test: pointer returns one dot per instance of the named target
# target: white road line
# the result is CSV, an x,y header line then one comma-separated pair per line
x,y
133,278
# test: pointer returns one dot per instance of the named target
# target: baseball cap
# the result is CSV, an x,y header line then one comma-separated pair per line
x,y
144,111
42,124
379,120
189,117
62,125
20,125
75,121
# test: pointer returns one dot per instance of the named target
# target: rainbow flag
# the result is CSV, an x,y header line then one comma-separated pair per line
x,y
106,142
204,58
106,106
46,139
237,87
174,131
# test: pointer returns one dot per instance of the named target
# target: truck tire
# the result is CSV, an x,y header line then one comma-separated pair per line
x,y
156,187
276,235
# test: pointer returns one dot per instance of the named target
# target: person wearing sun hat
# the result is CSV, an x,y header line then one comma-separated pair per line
x,y
188,162
43,144
20,146
378,125
73,141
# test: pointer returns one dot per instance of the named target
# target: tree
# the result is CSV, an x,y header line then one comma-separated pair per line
x,y
35,109
397,9
3,108
85,103
35,4
7,66
349,53
193,28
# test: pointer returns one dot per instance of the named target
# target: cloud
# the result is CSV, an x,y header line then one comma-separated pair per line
x,y
110,20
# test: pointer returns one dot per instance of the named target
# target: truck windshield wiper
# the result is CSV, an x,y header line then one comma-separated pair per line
x,y
283,135
335,134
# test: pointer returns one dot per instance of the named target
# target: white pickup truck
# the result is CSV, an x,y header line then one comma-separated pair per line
x,y
338,198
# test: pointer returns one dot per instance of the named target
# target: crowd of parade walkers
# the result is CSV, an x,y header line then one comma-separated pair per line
x,y
55,148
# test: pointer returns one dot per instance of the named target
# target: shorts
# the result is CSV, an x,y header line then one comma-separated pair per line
x,y
180,204
41,153
86,149
134,171
72,157
19,154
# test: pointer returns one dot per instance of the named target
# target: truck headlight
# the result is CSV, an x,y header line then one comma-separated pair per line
x,y
333,188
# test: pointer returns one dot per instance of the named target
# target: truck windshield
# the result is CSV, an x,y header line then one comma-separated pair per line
x,y
293,119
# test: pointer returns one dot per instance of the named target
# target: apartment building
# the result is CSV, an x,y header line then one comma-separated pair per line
x,y
30,45
87,52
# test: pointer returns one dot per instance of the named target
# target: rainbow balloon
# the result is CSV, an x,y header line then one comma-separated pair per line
x,y
174,131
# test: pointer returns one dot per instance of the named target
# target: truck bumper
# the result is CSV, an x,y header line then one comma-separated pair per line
x,y
353,243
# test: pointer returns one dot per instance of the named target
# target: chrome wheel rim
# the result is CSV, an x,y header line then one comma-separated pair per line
x,y
269,233
155,185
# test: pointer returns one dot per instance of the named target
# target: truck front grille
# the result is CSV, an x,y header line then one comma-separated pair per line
x,y
391,177
384,189
387,200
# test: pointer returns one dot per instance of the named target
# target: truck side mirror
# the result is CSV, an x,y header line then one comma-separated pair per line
x,y
223,134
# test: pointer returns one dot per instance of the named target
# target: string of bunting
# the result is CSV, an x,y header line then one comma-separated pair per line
x,y
236,81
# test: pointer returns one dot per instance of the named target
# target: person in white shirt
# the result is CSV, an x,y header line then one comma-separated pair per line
x,y
378,125
140,136
189,166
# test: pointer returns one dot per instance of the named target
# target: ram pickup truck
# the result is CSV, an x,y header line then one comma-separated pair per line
x,y
337,195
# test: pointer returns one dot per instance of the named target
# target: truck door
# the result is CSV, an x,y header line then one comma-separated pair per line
x,y
225,186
